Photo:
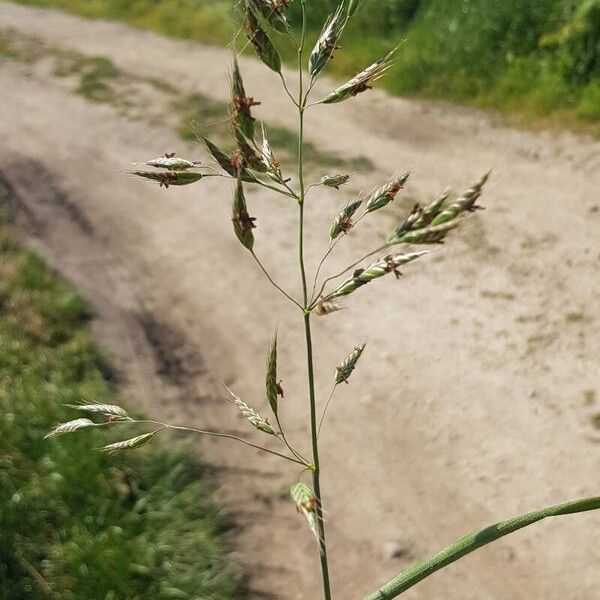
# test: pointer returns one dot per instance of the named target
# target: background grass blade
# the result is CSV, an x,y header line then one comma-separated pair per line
x,y
474,541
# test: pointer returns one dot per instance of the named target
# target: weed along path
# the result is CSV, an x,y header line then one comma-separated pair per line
x,y
478,396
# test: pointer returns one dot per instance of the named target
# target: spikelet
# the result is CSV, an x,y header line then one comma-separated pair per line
x,y
272,386
172,163
243,223
335,181
430,212
362,82
306,504
381,267
130,444
466,203
346,368
353,6
227,163
272,11
241,104
434,234
430,225
246,156
270,161
387,193
108,410
343,221
169,178
327,43
326,307
70,427
263,45
251,415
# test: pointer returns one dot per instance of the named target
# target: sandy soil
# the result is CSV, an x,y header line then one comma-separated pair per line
x,y
478,396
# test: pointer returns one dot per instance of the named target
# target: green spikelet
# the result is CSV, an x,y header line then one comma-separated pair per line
x,y
335,181
272,13
243,223
362,82
240,103
263,45
70,427
250,414
225,163
327,43
130,444
306,504
168,178
343,221
272,385
387,193
107,410
346,368
466,203
381,267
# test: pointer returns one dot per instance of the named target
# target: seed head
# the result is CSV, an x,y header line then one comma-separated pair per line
x,y
108,410
272,11
362,82
326,307
169,178
343,221
253,417
346,368
172,163
353,6
432,224
230,165
270,161
387,193
243,223
335,181
70,427
246,156
434,234
306,504
430,212
241,105
327,43
381,267
258,37
130,444
272,386
466,203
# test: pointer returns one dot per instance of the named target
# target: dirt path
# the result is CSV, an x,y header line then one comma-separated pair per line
x,y
479,394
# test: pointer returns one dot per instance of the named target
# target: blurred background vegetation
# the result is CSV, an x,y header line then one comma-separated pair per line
x,y
538,58
77,524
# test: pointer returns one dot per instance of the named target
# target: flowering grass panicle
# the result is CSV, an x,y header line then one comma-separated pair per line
x,y
254,163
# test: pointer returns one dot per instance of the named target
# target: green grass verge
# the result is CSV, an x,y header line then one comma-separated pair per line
x,y
538,60
75,523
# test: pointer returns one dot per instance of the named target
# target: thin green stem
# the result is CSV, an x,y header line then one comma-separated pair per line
x,y
287,90
337,275
288,445
217,434
316,468
289,191
324,413
316,473
272,281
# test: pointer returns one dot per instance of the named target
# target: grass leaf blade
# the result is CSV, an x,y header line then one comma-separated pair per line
x,y
474,541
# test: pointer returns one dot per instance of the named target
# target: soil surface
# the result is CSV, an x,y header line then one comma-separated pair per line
x,y
478,396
